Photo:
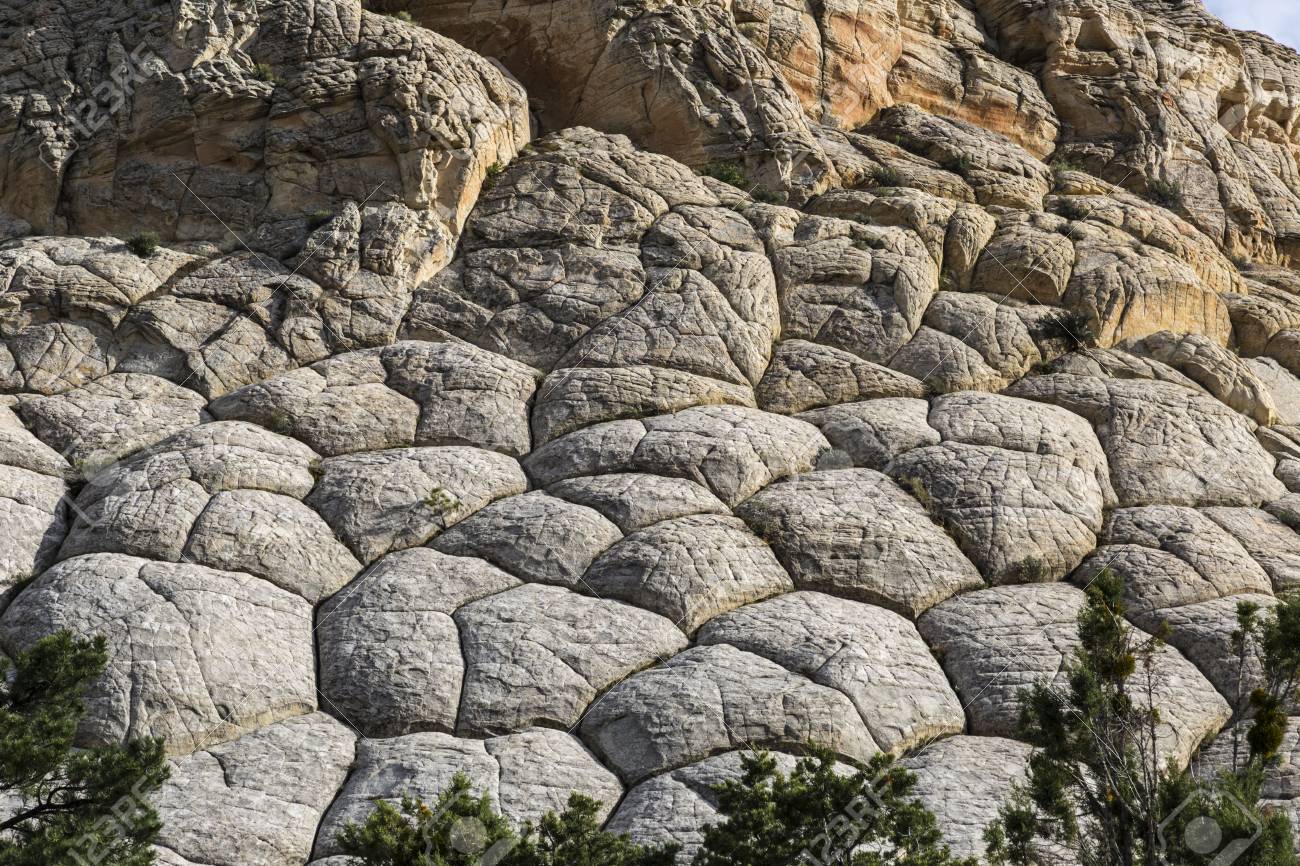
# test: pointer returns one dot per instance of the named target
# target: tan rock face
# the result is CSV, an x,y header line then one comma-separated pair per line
x,y
950,66
1149,94
232,120
682,78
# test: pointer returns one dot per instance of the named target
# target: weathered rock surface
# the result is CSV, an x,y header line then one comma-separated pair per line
x,y
409,393
535,537
390,652
33,504
539,655
749,374
689,569
854,533
1170,556
225,495
997,641
873,656
525,775
196,655
383,501
111,417
635,501
1021,487
280,778
1166,445
712,699
731,451
872,433
323,112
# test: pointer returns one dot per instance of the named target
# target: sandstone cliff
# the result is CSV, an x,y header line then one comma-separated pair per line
x,y
575,394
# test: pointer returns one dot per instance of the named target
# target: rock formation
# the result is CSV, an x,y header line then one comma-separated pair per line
x,y
576,395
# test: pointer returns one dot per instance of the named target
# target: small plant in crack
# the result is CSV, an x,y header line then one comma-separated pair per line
x,y
1072,209
728,172
960,164
441,501
1031,569
319,217
918,490
1166,193
1062,167
1069,326
769,197
492,175
264,72
886,175
143,244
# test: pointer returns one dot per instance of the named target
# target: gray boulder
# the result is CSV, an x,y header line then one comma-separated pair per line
x,y
716,698
853,532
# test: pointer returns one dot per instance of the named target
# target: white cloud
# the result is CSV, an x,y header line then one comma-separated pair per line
x,y
1278,18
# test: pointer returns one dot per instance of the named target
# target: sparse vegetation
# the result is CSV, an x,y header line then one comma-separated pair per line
x,y
1071,208
441,501
66,804
1166,193
886,175
1033,570
1069,326
771,197
264,72
1099,788
143,244
399,14
728,172
917,488
492,175
1062,167
960,164
816,814
462,829
319,217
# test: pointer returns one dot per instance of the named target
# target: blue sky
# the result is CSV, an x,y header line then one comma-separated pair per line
x,y
1278,18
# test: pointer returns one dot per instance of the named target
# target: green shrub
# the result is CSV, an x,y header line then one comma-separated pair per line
x,y
461,829
818,814
492,175
264,72
143,244
727,172
319,217
1071,208
1061,167
770,197
960,164
441,501
1166,193
66,804
1069,326
886,175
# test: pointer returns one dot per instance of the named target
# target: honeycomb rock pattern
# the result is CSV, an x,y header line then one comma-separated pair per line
x,y
566,465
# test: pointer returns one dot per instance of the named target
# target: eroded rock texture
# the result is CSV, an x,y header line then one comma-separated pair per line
x,y
578,395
